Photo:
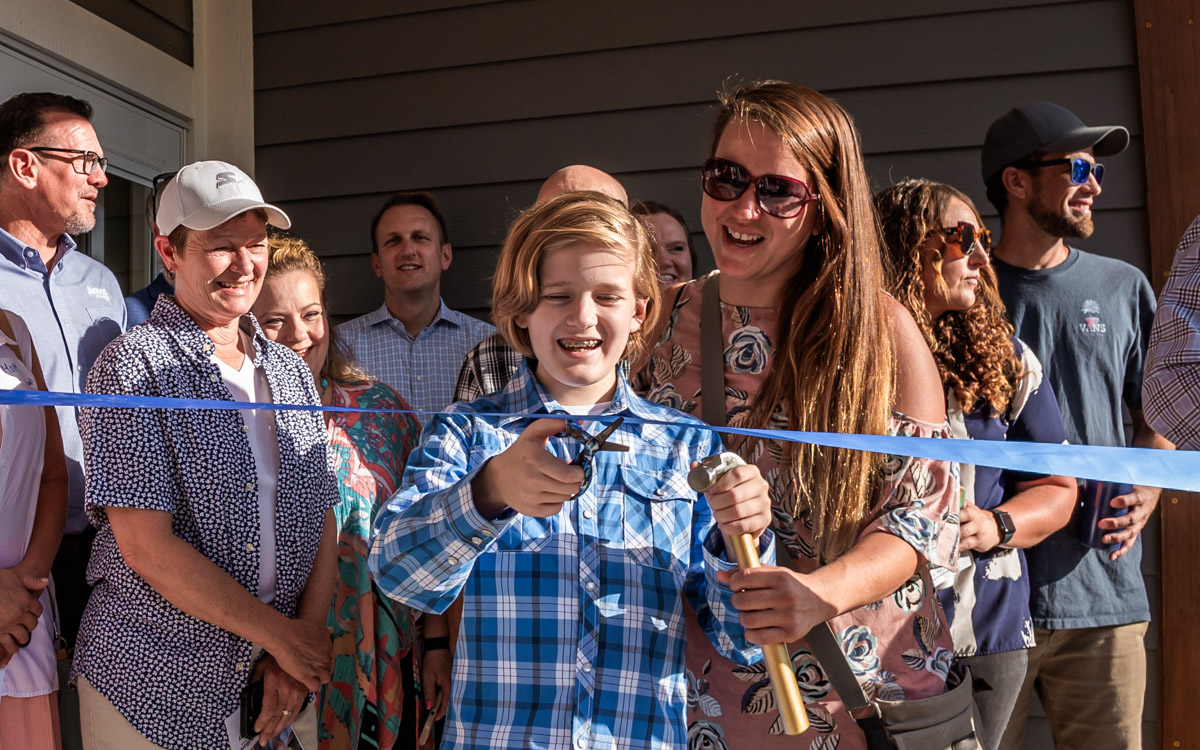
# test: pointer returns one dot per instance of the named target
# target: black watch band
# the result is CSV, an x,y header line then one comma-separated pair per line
x,y
1005,524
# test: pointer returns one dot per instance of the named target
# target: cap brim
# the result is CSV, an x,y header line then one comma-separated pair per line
x,y
214,216
1103,141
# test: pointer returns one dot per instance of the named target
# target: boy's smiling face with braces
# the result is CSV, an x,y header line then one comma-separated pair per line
x,y
586,311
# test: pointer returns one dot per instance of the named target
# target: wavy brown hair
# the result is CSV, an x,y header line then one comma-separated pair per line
x,y
294,254
833,366
973,347
558,221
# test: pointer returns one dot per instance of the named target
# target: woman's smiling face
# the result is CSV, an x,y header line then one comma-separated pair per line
x,y
756,252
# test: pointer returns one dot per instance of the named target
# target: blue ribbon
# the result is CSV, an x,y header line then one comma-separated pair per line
x,y
1152,468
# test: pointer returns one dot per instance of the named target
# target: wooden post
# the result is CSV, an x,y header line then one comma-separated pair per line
x,y
1168,43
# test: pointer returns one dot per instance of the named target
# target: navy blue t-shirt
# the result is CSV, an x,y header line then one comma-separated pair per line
x,y
1088,320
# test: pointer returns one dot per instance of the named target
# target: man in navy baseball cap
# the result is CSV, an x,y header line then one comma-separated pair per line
x,y
1087,318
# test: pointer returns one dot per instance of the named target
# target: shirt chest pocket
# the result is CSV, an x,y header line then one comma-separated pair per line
x,y
527,534
657,518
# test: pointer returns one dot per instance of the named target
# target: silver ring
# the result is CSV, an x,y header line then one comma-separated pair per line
x,y
287,712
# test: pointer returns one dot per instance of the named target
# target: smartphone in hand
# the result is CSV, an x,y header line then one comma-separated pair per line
x,y
251,703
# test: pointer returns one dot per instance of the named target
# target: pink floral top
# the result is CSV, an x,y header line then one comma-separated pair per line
x,y
899,648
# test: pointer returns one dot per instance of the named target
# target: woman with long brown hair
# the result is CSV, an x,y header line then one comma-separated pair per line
x,y
938,251
811,341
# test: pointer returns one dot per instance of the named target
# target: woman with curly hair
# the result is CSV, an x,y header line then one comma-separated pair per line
x,y
383,680
938,251
809,340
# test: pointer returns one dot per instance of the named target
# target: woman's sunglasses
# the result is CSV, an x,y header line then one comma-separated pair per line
x,y
1081,168
779,196
964,239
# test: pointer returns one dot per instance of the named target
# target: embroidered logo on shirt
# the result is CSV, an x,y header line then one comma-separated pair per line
x,y
1091,318
100,292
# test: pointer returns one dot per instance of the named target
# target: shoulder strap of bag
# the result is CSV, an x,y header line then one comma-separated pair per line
x,y
712,354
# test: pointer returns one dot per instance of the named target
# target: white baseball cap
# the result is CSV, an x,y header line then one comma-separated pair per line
x,y
206,194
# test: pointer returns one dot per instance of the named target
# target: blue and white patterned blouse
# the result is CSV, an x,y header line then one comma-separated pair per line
x,y
174,677
988,606
572,631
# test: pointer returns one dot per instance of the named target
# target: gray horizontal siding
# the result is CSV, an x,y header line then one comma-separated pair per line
x,y
480,101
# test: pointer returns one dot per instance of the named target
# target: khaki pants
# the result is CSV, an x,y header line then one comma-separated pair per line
x,y
1092,683
104,728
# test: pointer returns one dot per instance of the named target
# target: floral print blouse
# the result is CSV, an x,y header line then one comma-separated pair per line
x,y
376,670
899,647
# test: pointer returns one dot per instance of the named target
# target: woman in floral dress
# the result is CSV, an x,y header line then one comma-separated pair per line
x,y
811,342
374,699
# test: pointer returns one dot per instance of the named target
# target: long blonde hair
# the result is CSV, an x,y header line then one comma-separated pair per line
x,y
833,367
294,254
553,223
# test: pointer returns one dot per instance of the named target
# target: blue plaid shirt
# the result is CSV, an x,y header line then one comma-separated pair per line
x,y
422,370
572,633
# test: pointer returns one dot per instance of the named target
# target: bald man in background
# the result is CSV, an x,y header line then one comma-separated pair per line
x,y
582,177
491,364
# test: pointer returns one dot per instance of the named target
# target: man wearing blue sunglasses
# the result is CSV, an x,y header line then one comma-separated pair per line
x,y
1088,318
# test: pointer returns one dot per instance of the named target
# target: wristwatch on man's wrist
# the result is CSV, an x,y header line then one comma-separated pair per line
x,y
1005,524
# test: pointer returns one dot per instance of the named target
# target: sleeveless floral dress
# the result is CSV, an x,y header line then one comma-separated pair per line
x,y
899,647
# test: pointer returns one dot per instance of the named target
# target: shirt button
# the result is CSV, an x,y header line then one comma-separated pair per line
x,y
241,665
28,252
214,377
453,561
476,540
245,428
249,486
80,368
249,546
660,492
588,514
590,586
419,377
581,743
587,667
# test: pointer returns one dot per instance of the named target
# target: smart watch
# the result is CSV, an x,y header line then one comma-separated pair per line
x,y
1005,525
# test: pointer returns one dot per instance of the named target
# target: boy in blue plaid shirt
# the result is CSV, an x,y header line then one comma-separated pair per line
x,y
573,555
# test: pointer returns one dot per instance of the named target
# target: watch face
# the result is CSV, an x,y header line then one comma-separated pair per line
x,y
1005,524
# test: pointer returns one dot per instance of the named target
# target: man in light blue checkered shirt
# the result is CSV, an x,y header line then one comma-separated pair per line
x,y
413,342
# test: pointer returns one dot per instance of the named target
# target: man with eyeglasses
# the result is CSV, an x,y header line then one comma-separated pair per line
x,y
52,173
1087,317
